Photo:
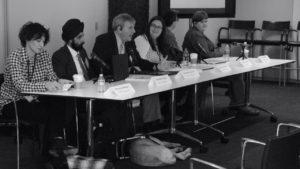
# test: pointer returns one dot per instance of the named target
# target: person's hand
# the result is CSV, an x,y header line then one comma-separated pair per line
x,y
53,86
137,68
65,81
163,65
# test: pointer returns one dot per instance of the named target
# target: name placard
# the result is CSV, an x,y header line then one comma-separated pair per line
x,y
188,74
246,63
264,59
123,90
159,81
223,68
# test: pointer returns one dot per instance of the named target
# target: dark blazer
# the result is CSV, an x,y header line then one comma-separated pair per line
x,y
64,65
106,46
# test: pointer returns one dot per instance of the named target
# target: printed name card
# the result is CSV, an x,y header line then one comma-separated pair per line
x,y
264,59
188,74
223,68
159,81
123,90
246,63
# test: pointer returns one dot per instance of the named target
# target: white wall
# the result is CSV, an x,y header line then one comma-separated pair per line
x,y
2,35
53,14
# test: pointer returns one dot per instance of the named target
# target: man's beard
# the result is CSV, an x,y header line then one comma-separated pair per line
x,y
77,47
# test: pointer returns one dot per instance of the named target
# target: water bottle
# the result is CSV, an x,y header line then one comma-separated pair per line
x,y
186,58
101,83
246,51
226,53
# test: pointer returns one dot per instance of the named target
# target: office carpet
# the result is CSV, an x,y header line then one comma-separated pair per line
x,y
283,101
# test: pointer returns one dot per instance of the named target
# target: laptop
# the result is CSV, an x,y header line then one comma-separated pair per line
x,y
119,68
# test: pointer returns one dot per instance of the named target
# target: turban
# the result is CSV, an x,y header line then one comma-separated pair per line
x,y
71,29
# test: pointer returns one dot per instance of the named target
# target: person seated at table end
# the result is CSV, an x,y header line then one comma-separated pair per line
x,y
195,41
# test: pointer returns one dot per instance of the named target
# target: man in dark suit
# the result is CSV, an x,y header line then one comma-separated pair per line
x,y
72,57
69,60
119,41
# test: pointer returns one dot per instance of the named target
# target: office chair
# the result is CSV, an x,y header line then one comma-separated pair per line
x,y
273,34
4,122
291,43
238,31
279,152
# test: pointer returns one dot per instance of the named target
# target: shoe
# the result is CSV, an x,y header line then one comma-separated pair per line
x,y
59,147
247,111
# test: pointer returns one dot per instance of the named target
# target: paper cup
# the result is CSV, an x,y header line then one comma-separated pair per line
x,y
194,58
78,79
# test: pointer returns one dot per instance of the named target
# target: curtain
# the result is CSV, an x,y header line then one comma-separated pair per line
x,y
139,9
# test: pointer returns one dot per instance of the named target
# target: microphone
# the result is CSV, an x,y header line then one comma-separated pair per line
x,y
102,63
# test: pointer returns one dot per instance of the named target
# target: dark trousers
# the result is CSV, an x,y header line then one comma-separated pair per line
x,y
236,93
46,110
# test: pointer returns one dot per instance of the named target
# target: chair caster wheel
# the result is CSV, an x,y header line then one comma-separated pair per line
x,y
273,119
224,140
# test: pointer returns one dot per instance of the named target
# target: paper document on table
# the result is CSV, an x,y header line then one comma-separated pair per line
x,y
201,67
217,60
136,77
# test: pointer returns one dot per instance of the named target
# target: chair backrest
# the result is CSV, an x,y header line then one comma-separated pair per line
x,y
282,152
276,26
241,24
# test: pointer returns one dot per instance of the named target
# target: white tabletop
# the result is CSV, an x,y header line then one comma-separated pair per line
x,y
89,89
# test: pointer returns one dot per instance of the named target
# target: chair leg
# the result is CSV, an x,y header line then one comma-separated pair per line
x,y
77,124
18,134
297,62
212,98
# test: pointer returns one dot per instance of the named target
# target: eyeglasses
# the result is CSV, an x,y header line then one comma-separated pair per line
x,y
156,26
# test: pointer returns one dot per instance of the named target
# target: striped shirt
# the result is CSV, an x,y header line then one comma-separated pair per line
x,y
21,75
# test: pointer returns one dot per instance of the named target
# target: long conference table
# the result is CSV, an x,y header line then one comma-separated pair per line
x,y
138,86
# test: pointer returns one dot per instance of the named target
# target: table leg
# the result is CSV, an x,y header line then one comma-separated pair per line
x,y
273,118
172,129
90,137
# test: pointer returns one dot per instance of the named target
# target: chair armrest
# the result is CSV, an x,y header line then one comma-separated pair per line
x,y
192,160
245,141
15,107
288,31
252,32
287,125
219,34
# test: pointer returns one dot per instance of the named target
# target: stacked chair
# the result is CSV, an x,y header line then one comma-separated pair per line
x,y
273,34
14,122
292,42
238,31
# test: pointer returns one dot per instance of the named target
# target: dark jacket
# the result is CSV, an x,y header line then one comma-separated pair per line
x,y
106,46
64,65
196,42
